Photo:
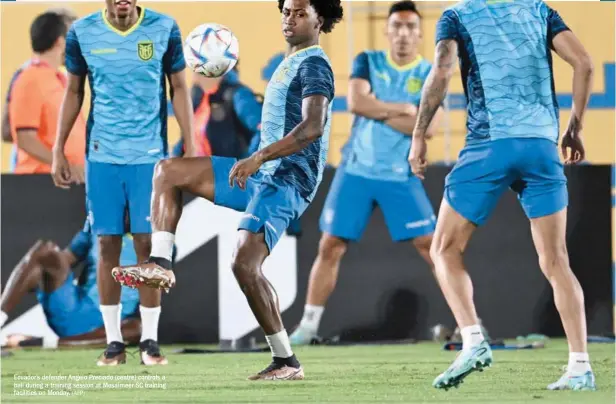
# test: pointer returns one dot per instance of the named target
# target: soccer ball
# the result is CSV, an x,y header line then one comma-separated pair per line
x,y
211,50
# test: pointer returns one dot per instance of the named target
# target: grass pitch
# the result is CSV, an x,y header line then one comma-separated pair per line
x,y
361,374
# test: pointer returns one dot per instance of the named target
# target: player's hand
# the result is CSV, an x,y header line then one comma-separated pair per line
x,y
61,171
417,157
77,174
242,170
572,146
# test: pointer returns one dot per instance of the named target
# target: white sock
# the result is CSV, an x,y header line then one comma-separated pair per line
x,y
312,317
279,344
162,244
112,320
149,322
579,363
471,336
3,318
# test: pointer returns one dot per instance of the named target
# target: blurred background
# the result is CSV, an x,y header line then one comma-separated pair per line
x,y
385,291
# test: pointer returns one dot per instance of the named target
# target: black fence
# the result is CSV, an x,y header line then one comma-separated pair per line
x,y
385,290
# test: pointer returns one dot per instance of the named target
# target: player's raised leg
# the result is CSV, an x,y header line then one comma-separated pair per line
x,y
171,177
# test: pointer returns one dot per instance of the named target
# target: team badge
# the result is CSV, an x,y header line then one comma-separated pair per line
x,y
414,85
145,50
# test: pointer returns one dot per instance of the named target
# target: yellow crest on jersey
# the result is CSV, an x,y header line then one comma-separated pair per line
x,y
145,50
414,85
280,75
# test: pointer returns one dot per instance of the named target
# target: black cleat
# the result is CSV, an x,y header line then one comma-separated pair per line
x,y
150,353
114,355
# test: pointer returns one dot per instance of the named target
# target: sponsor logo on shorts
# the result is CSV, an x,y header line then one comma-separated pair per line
x,y
251,216
419,223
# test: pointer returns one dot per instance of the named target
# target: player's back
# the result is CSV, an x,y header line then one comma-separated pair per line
x,y
506,66
126,72
305,73
375,149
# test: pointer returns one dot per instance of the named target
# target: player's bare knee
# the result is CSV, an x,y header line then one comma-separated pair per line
x,y
331,248
554,262
248,257
445,244
163,172
244,269
109,246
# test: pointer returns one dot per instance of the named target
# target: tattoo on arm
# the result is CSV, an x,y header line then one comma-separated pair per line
x,y
435,88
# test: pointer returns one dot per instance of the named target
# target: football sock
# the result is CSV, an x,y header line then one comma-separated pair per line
x,y
149,322
312,317
112,319
471,336
279,344
579,363
162,245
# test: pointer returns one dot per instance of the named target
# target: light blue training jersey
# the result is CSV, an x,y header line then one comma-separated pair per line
x,y
127,74
375,149
305,73
506,65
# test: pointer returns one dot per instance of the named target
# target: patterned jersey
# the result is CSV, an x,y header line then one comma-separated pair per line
x,y
126,72
375,149
84,247
302,74
506,65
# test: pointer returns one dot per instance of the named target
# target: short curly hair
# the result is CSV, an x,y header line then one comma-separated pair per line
x,y
330,10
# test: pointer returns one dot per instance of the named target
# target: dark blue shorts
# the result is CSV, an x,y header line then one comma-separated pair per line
x,y
531,167
268,206
352,198
111,189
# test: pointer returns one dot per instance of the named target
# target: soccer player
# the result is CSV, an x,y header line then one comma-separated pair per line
x,y
127,53
384,93
70,304
274,185
504,49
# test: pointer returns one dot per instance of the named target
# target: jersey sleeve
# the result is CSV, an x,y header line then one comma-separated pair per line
x,y
173,60
75,62
361,67
555,23
316,77
448,26
26,106
82,242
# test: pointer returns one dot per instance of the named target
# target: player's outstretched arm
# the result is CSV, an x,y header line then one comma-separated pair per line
x,y
312,127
